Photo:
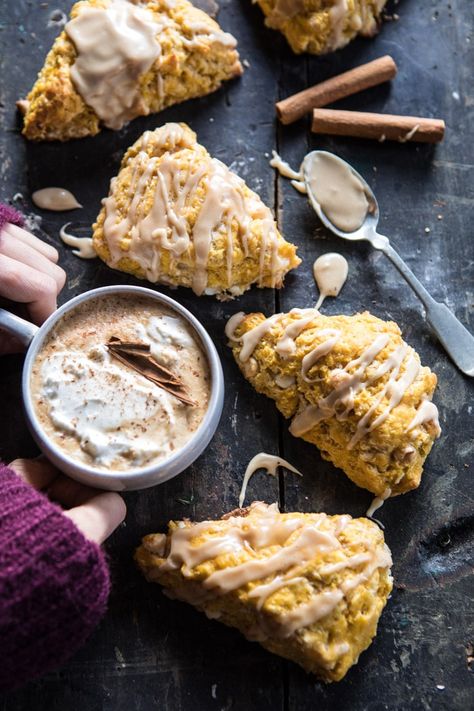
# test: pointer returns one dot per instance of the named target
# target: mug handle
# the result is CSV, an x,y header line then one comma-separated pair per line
x,y
16,326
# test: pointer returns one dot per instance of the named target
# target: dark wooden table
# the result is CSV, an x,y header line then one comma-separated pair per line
x,y
150,652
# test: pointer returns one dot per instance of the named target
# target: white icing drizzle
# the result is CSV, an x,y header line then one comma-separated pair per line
x,y
408,136
320,350
347,382
286,345
57,199
115,45
203,33
232,325
395,389
83,246
348,385
338,15
306,614
427,412
263,461
330,273
262,592
285,381
378,502
226,206
353,562
300,186
382,560
250,339
284,168
297,540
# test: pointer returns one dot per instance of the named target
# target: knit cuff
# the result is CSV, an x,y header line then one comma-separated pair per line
x,y
9,214
54,583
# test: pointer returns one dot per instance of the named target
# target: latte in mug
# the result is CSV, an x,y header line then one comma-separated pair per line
x,y
120,383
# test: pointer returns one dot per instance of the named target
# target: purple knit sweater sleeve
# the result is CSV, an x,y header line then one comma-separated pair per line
x,y
54,583
9,214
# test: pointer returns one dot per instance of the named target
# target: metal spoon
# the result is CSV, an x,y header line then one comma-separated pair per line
x,y
455,338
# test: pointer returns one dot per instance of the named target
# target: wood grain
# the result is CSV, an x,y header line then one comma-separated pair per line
x,y
152,653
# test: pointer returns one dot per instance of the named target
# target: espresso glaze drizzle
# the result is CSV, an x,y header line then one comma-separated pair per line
x,y
227,207
348,381
297,541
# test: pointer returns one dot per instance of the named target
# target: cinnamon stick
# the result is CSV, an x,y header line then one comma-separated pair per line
x,y
351,82
137,356
379,127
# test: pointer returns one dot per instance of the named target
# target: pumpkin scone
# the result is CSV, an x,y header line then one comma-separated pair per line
x,y
309,587
177,216
321,26
118,59
350,385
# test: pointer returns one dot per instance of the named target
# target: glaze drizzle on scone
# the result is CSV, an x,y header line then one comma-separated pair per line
x,y
294,582
176,215
119,59
321,26
351,385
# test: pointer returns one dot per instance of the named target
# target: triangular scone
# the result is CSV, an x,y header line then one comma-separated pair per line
x,y
176,215
321,26
173,52
352,387
309,587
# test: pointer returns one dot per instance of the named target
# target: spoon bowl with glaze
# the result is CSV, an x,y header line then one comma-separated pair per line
x,y
346,205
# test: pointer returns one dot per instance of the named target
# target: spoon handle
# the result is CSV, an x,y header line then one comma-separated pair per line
x,y
455,338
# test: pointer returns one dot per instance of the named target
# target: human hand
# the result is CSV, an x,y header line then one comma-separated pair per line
x,y
29,275
95,513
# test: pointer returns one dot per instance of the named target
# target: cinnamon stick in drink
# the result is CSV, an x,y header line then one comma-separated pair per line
x,y
351,82
379,127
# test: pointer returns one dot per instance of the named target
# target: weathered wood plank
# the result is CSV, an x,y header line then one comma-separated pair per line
x,y
151,652
421,641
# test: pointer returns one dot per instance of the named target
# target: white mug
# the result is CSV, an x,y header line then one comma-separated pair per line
x,y
33,338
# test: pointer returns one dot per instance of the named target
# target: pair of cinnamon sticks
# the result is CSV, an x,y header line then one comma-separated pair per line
x,y
138,356
359,124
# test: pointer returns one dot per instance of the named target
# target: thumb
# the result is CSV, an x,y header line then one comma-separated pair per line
x,y
100,516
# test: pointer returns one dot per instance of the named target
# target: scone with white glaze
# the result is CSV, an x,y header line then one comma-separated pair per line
x,y
308,587
118,59
177,216
350,385
321,26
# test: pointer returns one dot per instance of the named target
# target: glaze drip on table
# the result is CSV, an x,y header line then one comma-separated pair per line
x,y
56,199
330,273
263,461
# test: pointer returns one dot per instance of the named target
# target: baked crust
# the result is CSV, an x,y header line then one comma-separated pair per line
x,y
54,110
227,274
378,461
309,26
329,646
